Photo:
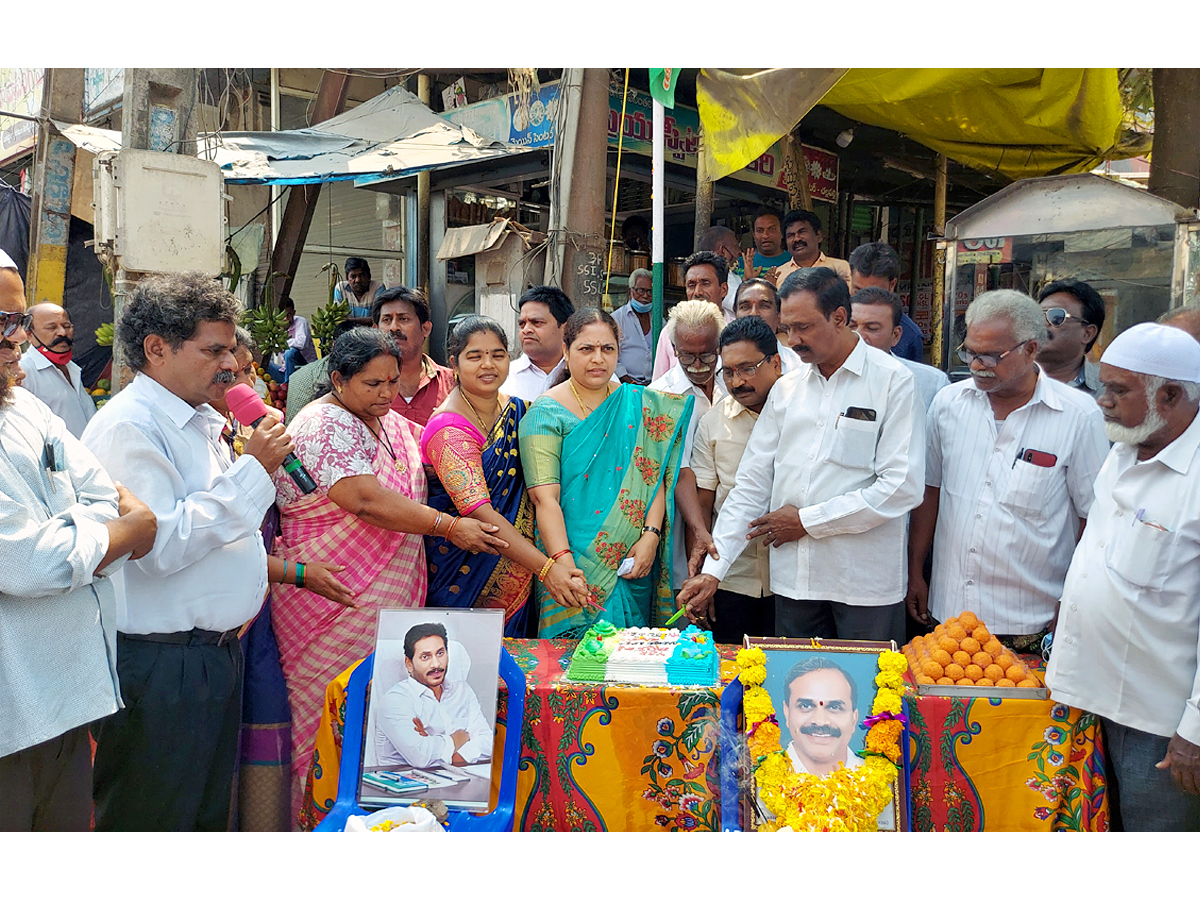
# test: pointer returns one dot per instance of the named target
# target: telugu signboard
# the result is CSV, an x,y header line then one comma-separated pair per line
x,y
504,120
20,92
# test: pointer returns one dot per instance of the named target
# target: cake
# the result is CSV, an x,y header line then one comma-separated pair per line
x,y
652,656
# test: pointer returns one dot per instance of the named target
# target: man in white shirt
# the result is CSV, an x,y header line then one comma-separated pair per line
x,y
1011,458
166,762
877,313
695,328
635,361
543,312
743,604
1125,646
50,375
705,277
300,348
425,720
820,711
832,467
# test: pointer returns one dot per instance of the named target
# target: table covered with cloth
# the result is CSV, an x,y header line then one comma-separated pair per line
x,y
980,764
593,757
624,758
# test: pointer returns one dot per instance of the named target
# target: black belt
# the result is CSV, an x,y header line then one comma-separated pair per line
x,y
193,638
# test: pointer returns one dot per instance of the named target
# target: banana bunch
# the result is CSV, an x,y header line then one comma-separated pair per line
x,y
327,318
105,334
268,327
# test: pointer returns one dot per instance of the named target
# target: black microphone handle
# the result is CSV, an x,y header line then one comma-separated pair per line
x,y
294,468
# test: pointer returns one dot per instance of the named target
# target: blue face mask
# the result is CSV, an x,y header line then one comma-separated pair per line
x,y
641,306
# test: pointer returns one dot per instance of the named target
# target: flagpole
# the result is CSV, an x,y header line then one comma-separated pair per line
x,y
657,201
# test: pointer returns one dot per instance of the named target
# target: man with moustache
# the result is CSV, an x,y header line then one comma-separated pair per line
x,y
769,252
695,329
821,713
876,264
51,376
705,277
1125,646
831,469
166,761
404,314
802,235
544,310
750,366
425,720
1010,461
1074,316
16,320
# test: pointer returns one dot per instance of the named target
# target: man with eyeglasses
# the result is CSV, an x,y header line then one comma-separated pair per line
x,y
743,603
694,329
1074,315
831,470
1010,461
634,359
705,277
14,321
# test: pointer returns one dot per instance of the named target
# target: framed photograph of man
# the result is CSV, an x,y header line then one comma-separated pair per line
x,y
821,694
431,716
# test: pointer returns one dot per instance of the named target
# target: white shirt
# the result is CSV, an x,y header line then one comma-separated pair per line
x,y
729,304
789,359
634,357
67,399
1125,646
675,381
397,741
1006,528
527,381
853,481
208,567
929,380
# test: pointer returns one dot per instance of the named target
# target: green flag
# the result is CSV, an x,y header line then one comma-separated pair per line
x,y
662,86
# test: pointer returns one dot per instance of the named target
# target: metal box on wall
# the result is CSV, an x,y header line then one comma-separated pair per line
x,y
159,212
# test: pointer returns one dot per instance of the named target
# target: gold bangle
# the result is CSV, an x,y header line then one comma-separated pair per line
x,y
450,530
545,569
437,520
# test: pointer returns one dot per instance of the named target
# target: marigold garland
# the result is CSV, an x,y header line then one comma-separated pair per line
x,y
844,800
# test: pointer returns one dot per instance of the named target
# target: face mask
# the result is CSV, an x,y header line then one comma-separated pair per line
x,y
59,358
641,306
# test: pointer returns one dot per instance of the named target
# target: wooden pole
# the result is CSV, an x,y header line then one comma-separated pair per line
x,y
798,192
704,192
938,312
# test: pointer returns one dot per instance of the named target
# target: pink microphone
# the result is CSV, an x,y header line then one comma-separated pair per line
x,y
247,407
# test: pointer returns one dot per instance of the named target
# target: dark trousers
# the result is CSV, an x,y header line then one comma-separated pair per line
x,y
48,787
1141,797
829,619
738,615
166,761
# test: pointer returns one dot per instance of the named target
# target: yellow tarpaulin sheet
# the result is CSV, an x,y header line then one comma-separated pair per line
x,y
1021,123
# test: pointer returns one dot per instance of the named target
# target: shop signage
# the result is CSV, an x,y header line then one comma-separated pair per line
x,y
20,92
984,250
501,119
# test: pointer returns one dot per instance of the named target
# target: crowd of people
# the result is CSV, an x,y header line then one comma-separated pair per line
x,y
782,463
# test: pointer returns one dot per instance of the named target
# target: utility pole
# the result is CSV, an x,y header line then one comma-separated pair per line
x,y
939,302
423,250
54,178
157,113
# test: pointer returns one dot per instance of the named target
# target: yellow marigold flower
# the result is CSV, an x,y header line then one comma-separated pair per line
x,y
765,739
752,676
754,656
889,680
757,705
886,700
891,661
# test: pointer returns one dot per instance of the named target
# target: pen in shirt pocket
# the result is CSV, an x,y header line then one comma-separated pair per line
x,y
51,465
1140,516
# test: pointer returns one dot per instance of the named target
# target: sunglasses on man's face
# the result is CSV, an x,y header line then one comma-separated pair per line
x,y
11,321
1057,316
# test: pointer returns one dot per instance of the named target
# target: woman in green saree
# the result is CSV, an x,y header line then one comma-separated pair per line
x,y
601,459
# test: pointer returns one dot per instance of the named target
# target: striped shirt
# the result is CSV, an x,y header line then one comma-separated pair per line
x,y
1006,528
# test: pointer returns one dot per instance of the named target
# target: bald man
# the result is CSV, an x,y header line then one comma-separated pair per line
x,y
50,375
1185,318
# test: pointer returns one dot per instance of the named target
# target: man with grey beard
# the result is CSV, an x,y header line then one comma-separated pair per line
x,y
1125,647
166,761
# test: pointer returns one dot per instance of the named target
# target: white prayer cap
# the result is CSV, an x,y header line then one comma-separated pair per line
x,y
6,261
1153,349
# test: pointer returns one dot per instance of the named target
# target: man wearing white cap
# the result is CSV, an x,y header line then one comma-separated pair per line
x,y
1129,623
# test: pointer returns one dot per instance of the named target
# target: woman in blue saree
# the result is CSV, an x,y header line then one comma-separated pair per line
x,y
473,466
601,459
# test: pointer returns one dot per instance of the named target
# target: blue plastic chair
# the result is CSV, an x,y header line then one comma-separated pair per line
x,y
499,819
731,705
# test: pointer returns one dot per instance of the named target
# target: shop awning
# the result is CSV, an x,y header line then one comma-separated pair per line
x,y
389,136
1020,123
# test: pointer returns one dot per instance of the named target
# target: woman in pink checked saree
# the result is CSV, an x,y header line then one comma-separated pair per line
x,y
363,457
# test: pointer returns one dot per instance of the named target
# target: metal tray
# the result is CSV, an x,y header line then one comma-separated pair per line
x,y
998,693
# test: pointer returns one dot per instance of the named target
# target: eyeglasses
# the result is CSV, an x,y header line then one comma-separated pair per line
x,y
1057,316
987,360
745,372
641,292
690,359
11,321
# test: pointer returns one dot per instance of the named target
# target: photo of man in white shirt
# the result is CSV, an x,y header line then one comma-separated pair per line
x,y
429,719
